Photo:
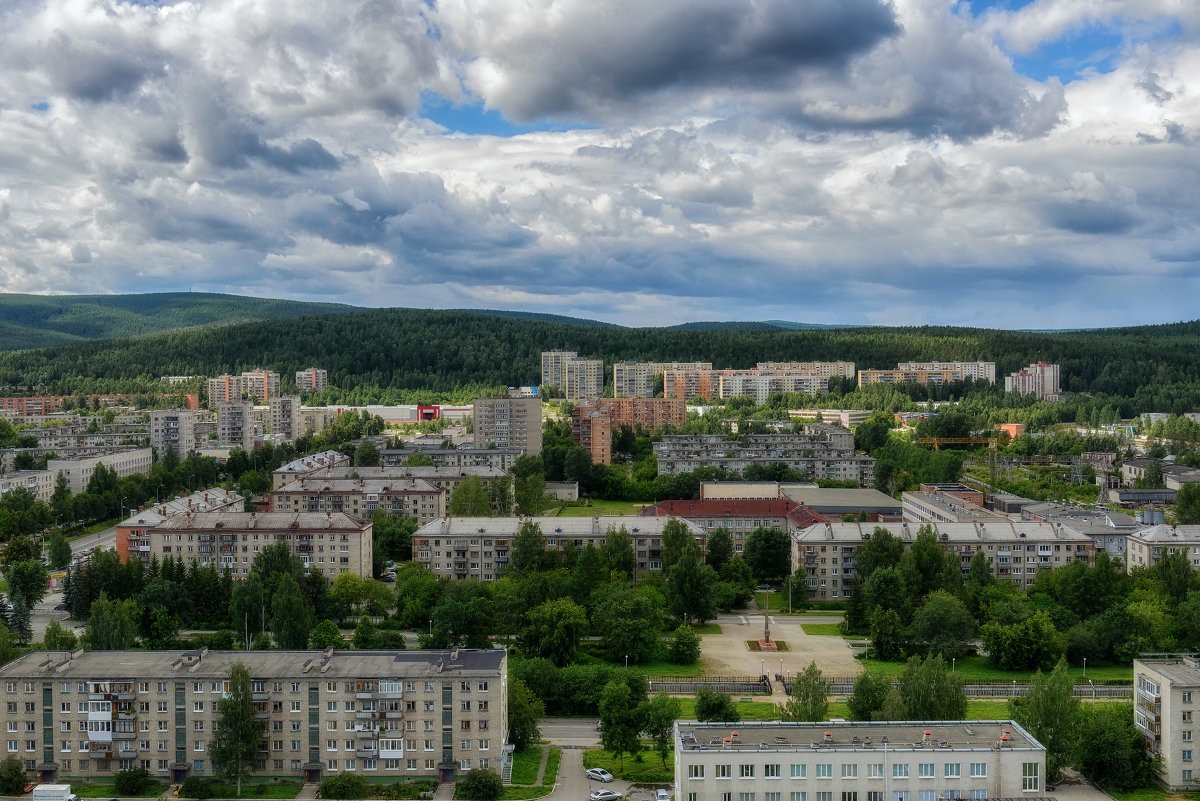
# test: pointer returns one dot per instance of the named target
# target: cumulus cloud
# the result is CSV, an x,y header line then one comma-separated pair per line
x,y
825,160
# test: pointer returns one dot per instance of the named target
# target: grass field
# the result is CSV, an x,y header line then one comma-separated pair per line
x,y
513,792
976,710
707,628
598,507
552,766
525,765
822,629
649,771
749,710
102,790
774,602
977,668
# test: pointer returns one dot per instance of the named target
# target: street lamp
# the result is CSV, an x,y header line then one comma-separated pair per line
x,y
626,660
953,660
762,667
1085,667
1093,689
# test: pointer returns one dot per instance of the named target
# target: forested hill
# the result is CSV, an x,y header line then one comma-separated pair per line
x,y
38,321
445,350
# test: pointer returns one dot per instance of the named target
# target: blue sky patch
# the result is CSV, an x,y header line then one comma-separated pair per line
x,y
474,119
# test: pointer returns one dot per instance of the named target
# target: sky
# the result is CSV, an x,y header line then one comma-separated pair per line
x,y
1008,164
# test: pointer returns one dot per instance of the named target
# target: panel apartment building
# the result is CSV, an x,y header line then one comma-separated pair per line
x,y
1166,711
1040,380
930,373
312,379
478,547
443,478
84,715
213,499
637,379
877,761
286,421
235,424
79,467
1016,550
331,543
592,425
513,423
760,382
820,451
258,385
173,430
361,498
578,379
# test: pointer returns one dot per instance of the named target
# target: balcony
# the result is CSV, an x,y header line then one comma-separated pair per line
x,y
124,735
367,732
365,714
390,714
99,753
261,695
370,751
127,752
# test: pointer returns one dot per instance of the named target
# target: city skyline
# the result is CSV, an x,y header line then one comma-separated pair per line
x,y
1009,164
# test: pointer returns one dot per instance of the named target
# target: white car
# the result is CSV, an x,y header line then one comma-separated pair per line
x,y
599,774
662,795
604,795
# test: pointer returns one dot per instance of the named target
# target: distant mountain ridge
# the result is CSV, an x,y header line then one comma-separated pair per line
x,y
40,321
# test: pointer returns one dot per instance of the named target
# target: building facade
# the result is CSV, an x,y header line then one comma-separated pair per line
x,y
930,373
173,430
361,498
286,422
760,382
879,761
820,451
39,482
1166,711
497,458
210,500
592,424
312,379
330,543
739,516
1042,380
1145,546
235,424
78,469
478,547
509,423
579,379
638,379
79,715
1016,551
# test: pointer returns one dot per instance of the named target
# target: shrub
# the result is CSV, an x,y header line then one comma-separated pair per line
x,y
197,787
133,781
344,786
12,777
480,784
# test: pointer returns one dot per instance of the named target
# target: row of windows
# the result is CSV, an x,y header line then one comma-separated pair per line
x,y
824,770
850,795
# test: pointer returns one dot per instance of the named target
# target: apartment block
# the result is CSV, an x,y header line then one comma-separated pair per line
x,y
1166,693
941,507
306,466
478,547
1145,546
261,385
361,498
39,482
444,478
504,422
235,424
873,761
638,379
578,379
213,499
85,715
760,382
739,516
820,451
286,422
258,385
930,373
592,425
312,379
330,543
79,468
497,458
1040,380
173,430
1016,550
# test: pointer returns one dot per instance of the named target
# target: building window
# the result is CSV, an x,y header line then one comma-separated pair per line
x,y
745,796
925,770
978,770
799,771
771,771
875,771
1030,777
771,797
824,770
1187,775
1187,697
900,795
1187,735
747,771
926,795
850,771
953,770
1187,755
695,771
798,795
900,770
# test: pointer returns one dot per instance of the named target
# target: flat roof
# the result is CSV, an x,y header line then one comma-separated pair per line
x,y
840,500
943,735
981,532
206,664
1180,671
263,521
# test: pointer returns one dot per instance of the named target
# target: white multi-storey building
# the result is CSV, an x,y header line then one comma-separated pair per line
x,y
286,422
173,430
85,715
235,424
1166,710
123,461
1040,380
881,761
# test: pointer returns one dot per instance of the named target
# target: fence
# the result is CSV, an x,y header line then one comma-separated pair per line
x,y
733,685
844,685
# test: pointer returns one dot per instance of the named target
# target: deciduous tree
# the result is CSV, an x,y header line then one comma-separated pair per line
x,y
1050,712
809,699
235,742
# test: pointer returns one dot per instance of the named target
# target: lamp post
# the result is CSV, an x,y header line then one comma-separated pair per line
x,y
762,667
1085,667
626,661
1093,685
952,663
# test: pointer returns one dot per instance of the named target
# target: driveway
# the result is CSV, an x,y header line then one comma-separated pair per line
x,y
574,736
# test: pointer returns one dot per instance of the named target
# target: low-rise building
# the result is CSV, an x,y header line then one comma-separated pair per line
x,y
39,482
1016,550
306,466
1166,694
1145,546
444,478
330,543
361,498
940,507
875,761
123,461
740,517
85,715
479,547
466,456
214,499
820,451
1109,530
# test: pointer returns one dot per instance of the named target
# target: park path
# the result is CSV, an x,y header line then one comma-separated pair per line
x,y
726,654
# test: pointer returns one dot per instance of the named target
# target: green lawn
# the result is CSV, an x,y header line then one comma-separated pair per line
x,y
1151,794
525,765
707,628
822,629
649,771
514,792
749,710
102,790
977,668
976,710
774,602
599,507
552,766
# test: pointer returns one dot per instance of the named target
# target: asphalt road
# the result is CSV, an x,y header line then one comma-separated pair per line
x,y
574,736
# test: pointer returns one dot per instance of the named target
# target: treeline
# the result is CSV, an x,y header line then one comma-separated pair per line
x,y
1145,368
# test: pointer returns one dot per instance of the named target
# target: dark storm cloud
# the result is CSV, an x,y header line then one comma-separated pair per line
x,y
1091,217
97,69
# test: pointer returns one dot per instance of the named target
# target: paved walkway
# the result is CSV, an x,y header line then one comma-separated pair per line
x,y
541,774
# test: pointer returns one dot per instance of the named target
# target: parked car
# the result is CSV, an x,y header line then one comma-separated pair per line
x,y
604,795
662,795
60,608
599,774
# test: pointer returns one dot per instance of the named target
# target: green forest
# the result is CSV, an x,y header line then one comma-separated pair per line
x,y
404,355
